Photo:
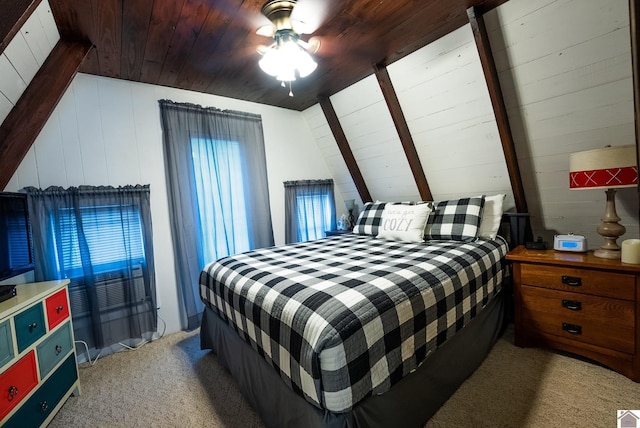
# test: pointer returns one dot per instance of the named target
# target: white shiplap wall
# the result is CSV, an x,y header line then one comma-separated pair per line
x,y
565,70
107,132
24,55
564,66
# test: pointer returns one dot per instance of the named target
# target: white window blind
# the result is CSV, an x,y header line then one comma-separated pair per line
x,y
113,235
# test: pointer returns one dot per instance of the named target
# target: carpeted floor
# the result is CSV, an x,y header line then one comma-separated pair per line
x,y
172,383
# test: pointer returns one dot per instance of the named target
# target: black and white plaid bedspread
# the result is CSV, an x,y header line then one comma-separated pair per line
x,y
346,317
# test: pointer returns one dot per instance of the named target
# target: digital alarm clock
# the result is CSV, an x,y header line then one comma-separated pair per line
x,y
570,242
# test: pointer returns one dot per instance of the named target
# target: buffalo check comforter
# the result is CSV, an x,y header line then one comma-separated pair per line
x,y
347,317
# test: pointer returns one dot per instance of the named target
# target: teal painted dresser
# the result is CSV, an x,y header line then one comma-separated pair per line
x,y
38,370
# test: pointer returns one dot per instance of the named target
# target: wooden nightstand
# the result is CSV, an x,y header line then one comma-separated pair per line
x,y
579,303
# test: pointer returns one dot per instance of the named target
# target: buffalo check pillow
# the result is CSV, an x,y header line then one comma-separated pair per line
x,y
455,219
369,220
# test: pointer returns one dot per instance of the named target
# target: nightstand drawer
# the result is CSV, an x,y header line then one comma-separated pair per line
x,y
598,283
600,321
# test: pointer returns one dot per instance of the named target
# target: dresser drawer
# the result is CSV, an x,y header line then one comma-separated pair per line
x,y
39,406
17,382
29,325
6,343
600,321
57,308
595,282
53,349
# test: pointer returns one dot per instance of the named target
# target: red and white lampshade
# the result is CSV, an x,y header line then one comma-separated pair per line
x,y
606,168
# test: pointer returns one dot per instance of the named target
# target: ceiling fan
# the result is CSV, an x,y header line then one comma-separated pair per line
x,y
288,56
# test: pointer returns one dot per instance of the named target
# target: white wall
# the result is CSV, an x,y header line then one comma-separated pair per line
x,y
565,70
107,132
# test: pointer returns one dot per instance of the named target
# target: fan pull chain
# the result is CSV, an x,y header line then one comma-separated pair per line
x,y
290,90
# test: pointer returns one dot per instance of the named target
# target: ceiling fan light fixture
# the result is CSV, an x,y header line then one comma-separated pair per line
x,y
286,56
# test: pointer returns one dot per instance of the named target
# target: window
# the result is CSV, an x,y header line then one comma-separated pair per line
x,y
314,216
220,193
113,236
309,209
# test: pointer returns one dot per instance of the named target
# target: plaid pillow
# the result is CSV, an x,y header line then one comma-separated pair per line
x,y
368,222
455,219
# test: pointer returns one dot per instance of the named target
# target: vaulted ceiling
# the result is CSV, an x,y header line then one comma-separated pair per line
x,y
210,45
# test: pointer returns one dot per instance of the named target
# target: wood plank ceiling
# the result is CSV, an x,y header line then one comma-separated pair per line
x,y
210,45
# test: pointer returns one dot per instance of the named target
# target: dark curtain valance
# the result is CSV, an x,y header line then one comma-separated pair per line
x,y
197,108
326,182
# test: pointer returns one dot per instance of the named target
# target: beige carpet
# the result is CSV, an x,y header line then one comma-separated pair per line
x,y
172,383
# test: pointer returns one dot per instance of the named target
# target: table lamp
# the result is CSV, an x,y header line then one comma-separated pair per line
x,y
350,205
608,168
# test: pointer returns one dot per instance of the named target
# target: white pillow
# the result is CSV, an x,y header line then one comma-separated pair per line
x,y
404,222
491,216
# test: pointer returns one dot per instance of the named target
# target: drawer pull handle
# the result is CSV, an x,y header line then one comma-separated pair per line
x,y
59,309
58,349
33,326
572,281
13,392
572,328
44,406
572,305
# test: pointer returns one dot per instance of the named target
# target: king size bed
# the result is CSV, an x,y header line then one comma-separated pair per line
x,y
359,330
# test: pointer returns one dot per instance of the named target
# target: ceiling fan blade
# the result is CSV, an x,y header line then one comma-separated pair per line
x,y
310,13
262,49
266,30
312,45
302,27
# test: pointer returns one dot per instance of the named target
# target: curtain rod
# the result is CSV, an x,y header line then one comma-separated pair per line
x,y
200,109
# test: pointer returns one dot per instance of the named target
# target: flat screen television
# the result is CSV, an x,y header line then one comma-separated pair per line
x,y
16,248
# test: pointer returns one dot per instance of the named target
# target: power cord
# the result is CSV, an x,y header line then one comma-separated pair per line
x,y
131,348
86,347
144,342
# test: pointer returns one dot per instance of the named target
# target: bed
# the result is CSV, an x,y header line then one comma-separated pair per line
x,y
362,329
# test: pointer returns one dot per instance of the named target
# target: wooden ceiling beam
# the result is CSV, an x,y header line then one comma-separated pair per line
x,y
27,118
345,150
393,104
500,111
13,16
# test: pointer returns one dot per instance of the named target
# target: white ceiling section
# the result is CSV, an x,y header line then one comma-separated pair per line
x,y
25,54
565,71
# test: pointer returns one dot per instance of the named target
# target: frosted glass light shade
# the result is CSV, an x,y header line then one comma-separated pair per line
x,y
285,57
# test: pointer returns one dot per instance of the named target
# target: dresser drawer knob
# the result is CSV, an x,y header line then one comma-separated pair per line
x,y
572,281
33,326
58,349
59,309
13,392
44,406
572,305
572,328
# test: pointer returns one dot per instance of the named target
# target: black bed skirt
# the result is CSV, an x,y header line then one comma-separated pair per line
x,y
410,403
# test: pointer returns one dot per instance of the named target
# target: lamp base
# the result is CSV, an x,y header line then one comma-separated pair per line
x,y
607,254
610,229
